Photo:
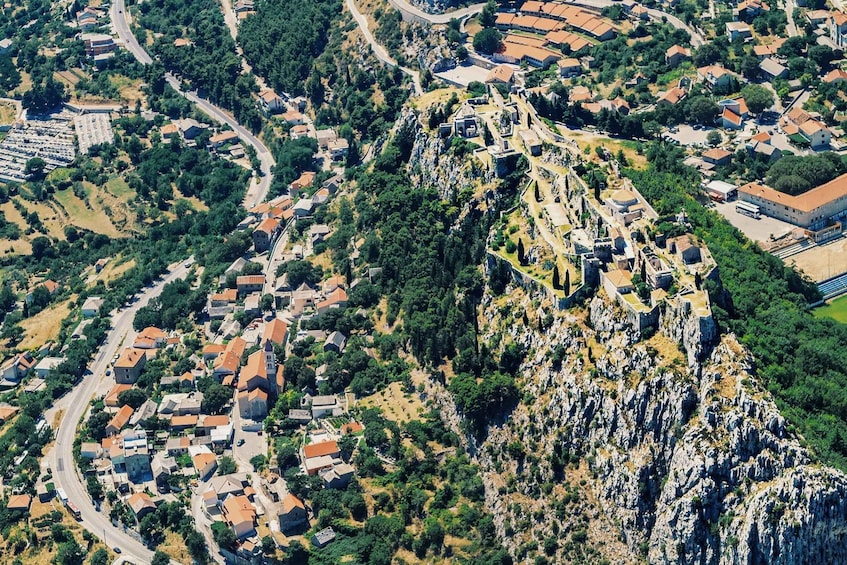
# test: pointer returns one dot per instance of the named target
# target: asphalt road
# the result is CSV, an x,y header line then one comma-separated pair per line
x,y
61,458
379,50
417,13
258,191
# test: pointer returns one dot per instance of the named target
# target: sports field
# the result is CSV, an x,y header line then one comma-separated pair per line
x,y
836,309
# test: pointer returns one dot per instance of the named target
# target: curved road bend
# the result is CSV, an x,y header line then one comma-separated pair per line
x,y
61,457
414,12
379,50
696,38
257,191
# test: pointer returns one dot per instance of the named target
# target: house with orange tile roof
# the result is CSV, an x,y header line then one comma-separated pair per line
x,y
51,286
205,464
182,423
169,130
182,42
111,398
835,75
305,180
226,365
334,282
119,420
150,338
253,404
211,351
294,117
19,502
270,102
224,297
671,97
731,120
223,138
276,331
501,74
141,505
129,365
240,515
265,234
322,449
676,54
837,24
245,284
7,412
717,156
335,299
292,513
816,133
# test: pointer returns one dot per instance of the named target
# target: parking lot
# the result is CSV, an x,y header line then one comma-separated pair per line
x,y
687,135
464,74
760,229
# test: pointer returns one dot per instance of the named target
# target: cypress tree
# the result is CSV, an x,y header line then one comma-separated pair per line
x,y
567,283
556,280
521,257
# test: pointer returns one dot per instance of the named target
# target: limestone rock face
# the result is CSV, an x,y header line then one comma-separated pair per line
x,y
432,165
689,460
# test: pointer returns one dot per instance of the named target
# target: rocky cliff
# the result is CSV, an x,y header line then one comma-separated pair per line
x,y
434,165
674,462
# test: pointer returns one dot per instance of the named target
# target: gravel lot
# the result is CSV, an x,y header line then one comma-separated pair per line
x,y
756,229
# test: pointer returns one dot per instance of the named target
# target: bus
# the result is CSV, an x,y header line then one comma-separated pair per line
x,y
62,496
747,209
74,510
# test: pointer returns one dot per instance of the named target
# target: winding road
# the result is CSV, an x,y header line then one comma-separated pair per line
x,y
76,403
258,190
61,457
379,50
410,12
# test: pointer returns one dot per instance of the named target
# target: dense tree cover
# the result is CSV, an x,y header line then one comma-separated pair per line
x,y
284,37
799,357
795,174
410,511
211,63
615,57
172,516
487,40
44,96
177,301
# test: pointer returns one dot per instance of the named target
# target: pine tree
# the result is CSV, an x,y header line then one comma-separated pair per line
x,y
556,280
567,283
521,257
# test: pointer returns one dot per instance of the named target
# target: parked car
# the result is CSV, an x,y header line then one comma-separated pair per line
x,y
240,442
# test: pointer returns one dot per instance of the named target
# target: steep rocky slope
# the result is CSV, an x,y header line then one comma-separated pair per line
x,y
626,450
689,464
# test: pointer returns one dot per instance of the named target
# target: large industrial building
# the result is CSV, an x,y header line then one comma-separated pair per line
x,y
811,210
